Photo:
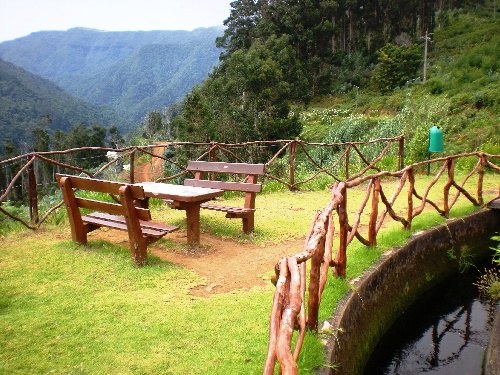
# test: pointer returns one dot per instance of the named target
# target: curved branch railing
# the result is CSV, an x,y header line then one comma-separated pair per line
x,y
290,299
295,153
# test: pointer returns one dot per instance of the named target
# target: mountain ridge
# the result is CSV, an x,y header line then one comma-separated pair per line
x,y
78,57
26,99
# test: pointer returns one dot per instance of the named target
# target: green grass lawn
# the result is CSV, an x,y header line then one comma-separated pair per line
x,y
73,310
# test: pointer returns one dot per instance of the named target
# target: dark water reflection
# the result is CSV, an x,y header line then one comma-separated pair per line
x,y
445,332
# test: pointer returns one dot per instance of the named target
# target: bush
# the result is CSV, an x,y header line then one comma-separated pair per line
x,y
396,66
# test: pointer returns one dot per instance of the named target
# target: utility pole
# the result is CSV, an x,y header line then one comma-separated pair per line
x,y
427,38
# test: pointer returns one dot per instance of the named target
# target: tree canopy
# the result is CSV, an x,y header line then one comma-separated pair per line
x,y
280,52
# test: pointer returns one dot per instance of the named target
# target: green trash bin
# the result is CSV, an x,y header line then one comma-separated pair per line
x,y
436,143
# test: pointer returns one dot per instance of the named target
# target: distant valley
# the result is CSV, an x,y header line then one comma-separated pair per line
x,y
121,75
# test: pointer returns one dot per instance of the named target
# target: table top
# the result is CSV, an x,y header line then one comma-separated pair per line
x,y
179,193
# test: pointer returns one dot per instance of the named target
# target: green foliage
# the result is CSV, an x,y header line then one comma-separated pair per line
x,y
396,66
31,108
278,52
489,281
461,96
246,98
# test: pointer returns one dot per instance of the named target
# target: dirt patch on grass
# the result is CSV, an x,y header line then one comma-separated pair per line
x,y
226,265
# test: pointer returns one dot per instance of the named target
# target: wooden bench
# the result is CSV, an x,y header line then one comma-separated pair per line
x,y
124,215
205,174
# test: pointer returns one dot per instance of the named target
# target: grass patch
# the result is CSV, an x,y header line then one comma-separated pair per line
x,y
88,310
67,308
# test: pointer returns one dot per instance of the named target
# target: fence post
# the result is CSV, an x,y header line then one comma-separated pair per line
x,y
211,157
411,180
372,227
32,191
341,258
293,152
401,152
314,283
482,161
446,190
347,161
132,162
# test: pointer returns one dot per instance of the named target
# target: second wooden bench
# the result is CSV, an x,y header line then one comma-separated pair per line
x,y
205,174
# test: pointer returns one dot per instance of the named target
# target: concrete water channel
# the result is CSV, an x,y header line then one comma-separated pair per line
x,y
445,332
398,280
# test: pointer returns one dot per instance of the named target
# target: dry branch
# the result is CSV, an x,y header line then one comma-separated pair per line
x,y
389,204
357,220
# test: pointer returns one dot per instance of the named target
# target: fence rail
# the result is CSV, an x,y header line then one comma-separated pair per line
x,y
285,160
289,311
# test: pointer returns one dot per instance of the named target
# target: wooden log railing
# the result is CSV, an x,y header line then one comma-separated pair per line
x,y
24,168
293,308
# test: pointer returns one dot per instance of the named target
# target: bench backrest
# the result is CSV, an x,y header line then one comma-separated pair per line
x,y
202,169
127,195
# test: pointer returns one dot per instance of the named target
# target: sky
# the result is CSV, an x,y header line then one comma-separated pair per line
x,y
21,17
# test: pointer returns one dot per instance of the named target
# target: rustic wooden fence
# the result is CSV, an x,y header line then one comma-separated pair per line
x,y
291,163
289,311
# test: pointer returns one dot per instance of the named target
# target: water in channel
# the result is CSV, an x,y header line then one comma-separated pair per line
x,y
445,332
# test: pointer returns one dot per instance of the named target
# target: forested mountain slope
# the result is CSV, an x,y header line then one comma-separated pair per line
x,y
332,71
27,100
135,72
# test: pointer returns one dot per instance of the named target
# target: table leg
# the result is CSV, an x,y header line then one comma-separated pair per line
x,y
193,223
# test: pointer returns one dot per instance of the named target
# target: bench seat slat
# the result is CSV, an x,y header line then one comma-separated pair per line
x,y
118,222
103,186
216,207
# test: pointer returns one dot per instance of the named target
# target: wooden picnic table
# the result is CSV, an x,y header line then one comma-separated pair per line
x,y
188,198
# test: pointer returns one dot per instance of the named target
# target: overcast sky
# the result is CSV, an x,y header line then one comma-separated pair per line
x,y
22,17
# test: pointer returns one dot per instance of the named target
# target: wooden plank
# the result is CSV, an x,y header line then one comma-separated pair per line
x,y
121,225
104,223
216,207
102,186
224,185
145,224
110,208
239,168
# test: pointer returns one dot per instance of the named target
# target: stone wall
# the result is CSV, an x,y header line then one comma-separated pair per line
x,y
397,280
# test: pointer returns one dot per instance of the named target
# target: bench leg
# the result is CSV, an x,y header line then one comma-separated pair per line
x,y
193,223
248,223
139,252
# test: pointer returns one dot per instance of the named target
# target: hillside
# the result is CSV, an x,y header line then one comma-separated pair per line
x,y
26,99
134,72
461,95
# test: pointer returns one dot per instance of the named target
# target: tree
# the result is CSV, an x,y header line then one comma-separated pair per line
x,y
240,27
83,136
11,150
115,138
396,66
40,142
247,97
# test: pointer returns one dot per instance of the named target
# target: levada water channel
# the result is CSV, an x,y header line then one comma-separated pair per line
x,y
445,332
